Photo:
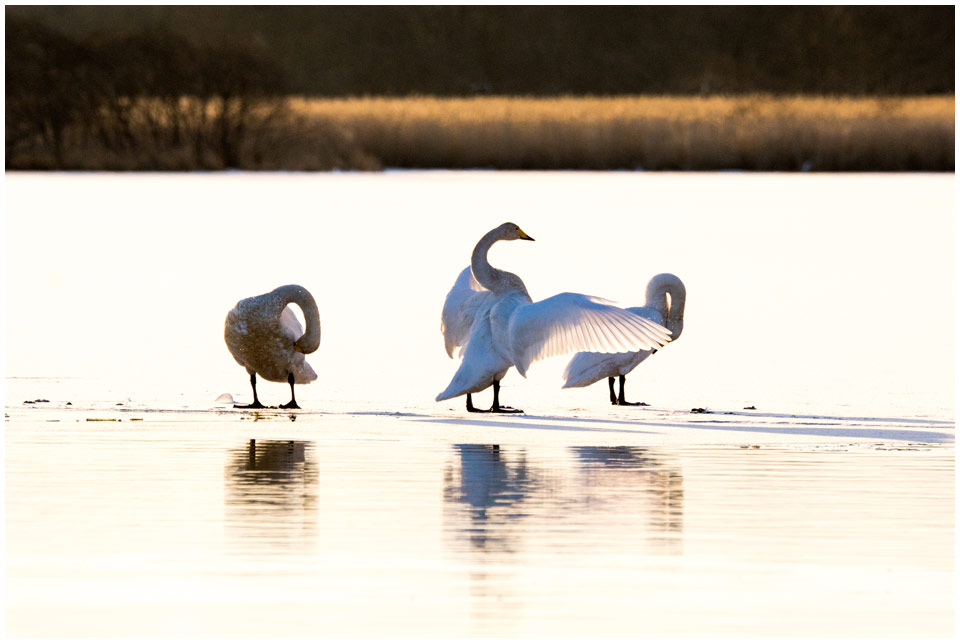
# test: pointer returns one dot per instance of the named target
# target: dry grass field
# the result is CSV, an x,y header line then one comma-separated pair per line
x,y
751,132
754,132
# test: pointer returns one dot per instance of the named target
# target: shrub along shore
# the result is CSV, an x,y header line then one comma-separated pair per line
x,y
745,132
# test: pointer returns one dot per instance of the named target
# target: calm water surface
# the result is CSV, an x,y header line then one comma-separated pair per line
x,y
136,505
263,526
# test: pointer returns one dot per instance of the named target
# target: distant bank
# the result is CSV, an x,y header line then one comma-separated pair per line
x,y
751,132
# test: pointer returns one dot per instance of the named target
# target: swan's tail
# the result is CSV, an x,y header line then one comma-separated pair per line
x,y
573,374
579,370
304,374
454,389
463,383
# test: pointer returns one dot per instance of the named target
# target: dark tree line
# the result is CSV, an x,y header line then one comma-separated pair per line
x,y
136,94
538,50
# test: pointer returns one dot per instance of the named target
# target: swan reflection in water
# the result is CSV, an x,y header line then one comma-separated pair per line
x,y
492,487
271,493
616,477
496,497
503,509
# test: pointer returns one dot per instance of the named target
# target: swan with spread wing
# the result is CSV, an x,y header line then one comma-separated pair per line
x,y
666,298
490,315
265,337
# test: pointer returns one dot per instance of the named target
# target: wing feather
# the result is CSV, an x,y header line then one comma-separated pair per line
x,y
588,367
571,322
590,330
608,336
459,308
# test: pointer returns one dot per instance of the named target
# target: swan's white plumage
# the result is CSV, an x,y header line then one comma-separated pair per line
x,y
459,309
568,322
265,337
509,329
587,368
482,364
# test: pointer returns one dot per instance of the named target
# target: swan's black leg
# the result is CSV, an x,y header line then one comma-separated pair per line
x,y
292,404
471,408
496,408
620,400
256,402
613,395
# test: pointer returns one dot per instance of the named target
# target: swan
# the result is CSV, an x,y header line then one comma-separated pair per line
x,y
264,336
666,296
460,308
489,313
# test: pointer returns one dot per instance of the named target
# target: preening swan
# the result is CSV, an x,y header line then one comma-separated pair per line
x,y
489,313
264,336
666,296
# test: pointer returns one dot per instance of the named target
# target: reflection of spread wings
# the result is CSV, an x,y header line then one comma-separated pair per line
x,y
569,323
459,309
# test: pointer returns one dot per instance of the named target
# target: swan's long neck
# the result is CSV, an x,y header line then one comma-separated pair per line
x,y
300,296
670,307
493,279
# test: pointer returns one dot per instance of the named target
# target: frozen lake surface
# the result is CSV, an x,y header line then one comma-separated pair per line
x,y
137,505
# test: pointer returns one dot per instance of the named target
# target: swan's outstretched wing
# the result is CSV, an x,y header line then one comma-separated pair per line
x,y
569,322
459,309
587,367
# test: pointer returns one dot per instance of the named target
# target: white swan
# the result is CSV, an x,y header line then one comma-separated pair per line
x,y
666,297
489,313
460,308
264,336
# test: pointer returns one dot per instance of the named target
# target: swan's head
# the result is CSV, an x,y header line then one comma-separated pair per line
x,y
511,231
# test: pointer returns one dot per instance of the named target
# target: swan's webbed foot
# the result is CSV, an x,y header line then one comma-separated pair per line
x,y
471,408
620,400
256,401
292,404
496,408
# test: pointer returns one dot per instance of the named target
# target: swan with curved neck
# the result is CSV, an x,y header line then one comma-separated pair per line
x,y
666,298
489,313
497,281
264,336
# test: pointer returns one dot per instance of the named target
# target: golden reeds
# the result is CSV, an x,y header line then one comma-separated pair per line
x,y
753,132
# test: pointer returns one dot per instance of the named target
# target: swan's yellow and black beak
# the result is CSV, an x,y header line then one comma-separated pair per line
x,y
297,348
524,235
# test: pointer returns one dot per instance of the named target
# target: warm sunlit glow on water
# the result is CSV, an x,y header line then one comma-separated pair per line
x,y
136,505
168,528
